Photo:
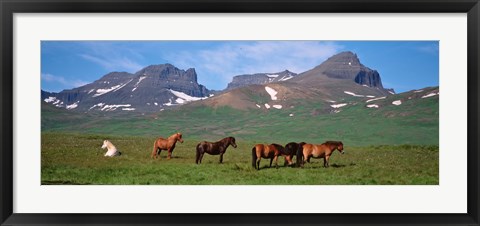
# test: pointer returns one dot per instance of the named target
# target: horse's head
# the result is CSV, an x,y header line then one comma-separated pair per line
x,y
179,137
105,143
340,147
231,141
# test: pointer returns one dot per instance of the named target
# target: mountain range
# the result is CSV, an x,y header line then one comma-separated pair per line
x,y
150,89
158,87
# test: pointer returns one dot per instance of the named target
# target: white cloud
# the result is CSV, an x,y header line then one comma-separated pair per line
x,y
117,64
217,66
61,80
112,56
430,48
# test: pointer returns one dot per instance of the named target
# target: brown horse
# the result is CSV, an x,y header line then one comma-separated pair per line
x,y
324,151
291,150
216,148
271,152
166,144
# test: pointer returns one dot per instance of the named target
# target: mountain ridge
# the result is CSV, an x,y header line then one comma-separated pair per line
x,y
157,87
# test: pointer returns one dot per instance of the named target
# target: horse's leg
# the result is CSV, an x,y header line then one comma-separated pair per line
x,y
325,162
169,153
221,158
258,162
154,152
271,160
289,159
201,157
197,157
276,161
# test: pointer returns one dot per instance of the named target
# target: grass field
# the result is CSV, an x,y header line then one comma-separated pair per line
x,y
73,158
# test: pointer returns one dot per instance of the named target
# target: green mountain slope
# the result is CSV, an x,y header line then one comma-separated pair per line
x,y
414,121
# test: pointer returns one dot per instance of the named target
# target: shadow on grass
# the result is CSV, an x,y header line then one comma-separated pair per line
x,y
61,182
334,165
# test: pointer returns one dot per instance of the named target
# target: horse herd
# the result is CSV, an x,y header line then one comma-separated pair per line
x,y
303,151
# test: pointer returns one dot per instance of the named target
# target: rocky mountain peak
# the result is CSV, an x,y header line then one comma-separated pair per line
x,y
150,89
260,78
344,58
347,65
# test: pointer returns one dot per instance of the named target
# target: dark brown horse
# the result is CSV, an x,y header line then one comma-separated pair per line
x,y
271,152
216,148
324,151
291,150
166,144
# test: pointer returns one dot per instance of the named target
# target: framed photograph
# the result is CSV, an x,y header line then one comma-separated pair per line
x,y
245,113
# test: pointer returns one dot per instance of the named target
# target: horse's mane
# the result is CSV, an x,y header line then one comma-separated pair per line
x,y
336,143
175,134
228,138
225,140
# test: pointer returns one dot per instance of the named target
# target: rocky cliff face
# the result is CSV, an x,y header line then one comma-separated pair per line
x,y
260,78
151,89
346,65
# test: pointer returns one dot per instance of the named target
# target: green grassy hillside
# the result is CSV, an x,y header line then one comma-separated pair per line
x,y
412,122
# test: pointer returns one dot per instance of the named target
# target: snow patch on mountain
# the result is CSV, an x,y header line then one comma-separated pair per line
x,y
430,95
183,97
338,105
379,98
138,82
72,106
97,105
271,92
285,78
100,92
50,99
114,107
169,103
397,102
180,100
353,94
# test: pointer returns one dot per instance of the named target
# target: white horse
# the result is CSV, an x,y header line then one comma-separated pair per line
x,y
112,150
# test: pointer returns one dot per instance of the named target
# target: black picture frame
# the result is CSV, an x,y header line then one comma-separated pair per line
x,y
10,7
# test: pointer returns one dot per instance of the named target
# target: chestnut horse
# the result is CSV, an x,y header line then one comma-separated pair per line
x,y
271,152
291,150
166,144
324,151
215,148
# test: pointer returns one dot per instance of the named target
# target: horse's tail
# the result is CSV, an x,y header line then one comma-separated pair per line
x,y
300,155
198,153
254,157
154,152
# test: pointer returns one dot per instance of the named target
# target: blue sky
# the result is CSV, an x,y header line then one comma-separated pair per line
x,y
403,65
